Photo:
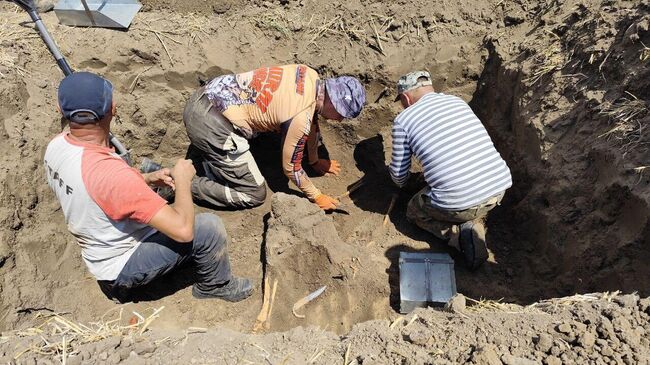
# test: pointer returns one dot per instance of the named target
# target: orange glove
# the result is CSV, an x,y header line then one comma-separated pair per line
x,y
326,202
324,167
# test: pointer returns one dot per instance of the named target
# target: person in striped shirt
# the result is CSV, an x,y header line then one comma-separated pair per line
x,y
466,177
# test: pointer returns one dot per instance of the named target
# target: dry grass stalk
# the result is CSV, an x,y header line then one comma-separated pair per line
x,y
396,322
354,29
378,39
493,305
547,62
189,25
573,300
194,26
626,114
390,209
645,53
13,36
136,78
346,358
625,109
316,355
59,336
171,60
278,21
415,318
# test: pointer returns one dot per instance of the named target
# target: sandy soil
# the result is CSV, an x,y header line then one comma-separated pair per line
x,y
549,80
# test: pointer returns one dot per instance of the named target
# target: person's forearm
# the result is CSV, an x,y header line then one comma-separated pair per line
x,y
183,204
302,182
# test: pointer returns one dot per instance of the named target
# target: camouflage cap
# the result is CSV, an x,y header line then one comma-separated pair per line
x,y
347,95
410,82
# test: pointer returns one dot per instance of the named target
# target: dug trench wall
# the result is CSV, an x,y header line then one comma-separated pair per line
x,y
558,106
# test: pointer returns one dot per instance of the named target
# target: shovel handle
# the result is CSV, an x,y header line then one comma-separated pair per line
x,y
89,14
30,8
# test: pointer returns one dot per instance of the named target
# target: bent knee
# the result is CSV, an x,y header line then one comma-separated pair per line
x,y
258,196
209,229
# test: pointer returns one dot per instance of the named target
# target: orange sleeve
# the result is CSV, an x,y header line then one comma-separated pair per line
x,y
295,138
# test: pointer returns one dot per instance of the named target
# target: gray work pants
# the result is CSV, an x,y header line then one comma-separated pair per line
x,y
227,175
159,255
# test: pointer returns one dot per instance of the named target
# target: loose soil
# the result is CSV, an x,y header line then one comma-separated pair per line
x,y
563,89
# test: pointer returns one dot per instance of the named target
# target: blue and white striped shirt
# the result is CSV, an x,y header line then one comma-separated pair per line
x,y
459,161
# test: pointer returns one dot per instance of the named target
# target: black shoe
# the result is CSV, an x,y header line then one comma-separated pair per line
x,y
236,290
472,244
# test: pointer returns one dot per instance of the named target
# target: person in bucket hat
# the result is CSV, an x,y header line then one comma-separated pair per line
x,y
465,175
129,235
221,116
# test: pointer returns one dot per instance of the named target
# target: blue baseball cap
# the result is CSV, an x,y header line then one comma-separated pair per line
x,y
85,97
347,95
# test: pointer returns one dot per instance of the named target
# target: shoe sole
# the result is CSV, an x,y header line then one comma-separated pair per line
x,y
480,245
233,298
473,245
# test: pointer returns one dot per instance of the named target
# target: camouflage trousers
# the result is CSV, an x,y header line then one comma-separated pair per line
x,y
444,224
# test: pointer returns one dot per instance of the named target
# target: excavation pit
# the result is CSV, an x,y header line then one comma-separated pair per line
x,y
576,219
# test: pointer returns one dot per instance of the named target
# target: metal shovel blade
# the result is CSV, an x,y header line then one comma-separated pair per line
x,y
97,13
425,279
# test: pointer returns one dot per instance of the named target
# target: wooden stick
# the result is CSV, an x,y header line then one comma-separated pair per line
x,y
390,208
381,48
347,354
264,312
171,60
352,189
135,80
382,94
267,324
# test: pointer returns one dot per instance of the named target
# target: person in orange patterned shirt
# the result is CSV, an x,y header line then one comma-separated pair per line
x,y
230,109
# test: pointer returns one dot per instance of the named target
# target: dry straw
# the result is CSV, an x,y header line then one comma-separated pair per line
x,y
626,115
494,305
277,21
547,62
13,37
60,337
571,301
644,55
370,30
188,26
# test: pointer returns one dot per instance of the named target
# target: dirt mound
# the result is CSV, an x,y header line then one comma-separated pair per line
x,y
304,252
594,328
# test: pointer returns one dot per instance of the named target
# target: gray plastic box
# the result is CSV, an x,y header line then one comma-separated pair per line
x,y
425,279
